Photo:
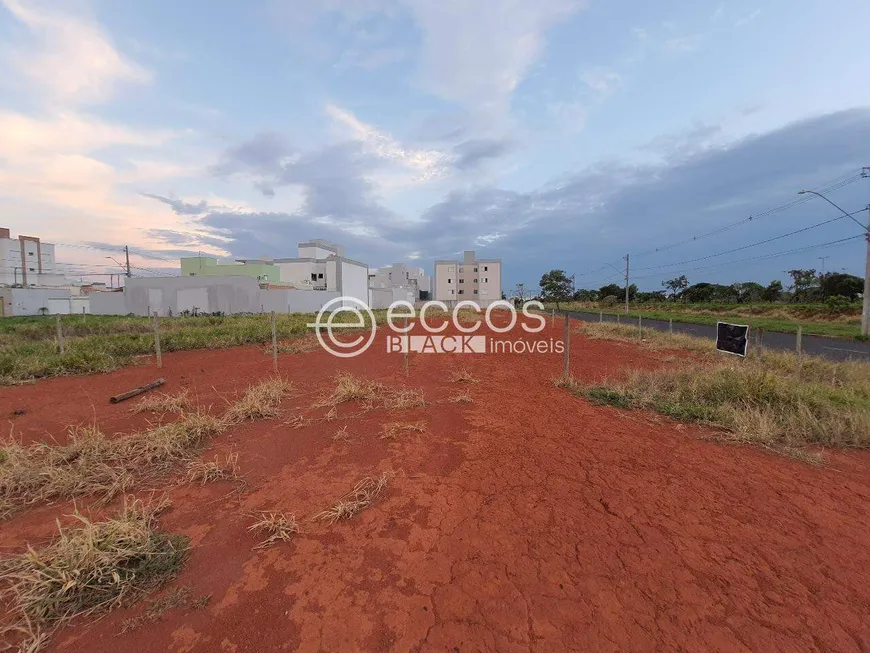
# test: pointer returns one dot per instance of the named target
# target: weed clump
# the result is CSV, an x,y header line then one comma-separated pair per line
x,y
358,499
259,401
277,525
95,567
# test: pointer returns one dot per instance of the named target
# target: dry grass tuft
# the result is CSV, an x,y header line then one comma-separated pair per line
x,y
202,472
93,568
394,429
163,403
571,384
174,598
462,376
351,388
93,464
370,394
299,421
259,401
278,525
461,398
404,399
341,434
357,500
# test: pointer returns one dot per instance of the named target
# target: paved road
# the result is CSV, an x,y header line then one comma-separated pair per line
x,y
832,348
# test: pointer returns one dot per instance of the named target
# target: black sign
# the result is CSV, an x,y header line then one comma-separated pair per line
x,y
732,338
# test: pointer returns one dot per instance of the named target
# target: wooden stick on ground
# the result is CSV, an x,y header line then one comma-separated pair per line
x,y
136,391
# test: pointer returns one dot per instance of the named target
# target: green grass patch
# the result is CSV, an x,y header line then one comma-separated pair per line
x,y
777,399
814,319
88,569
28,349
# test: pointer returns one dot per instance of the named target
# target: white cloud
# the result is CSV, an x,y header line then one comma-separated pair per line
x,y
428,164
602,80
683,44
67,132
745,20
70,60
477,53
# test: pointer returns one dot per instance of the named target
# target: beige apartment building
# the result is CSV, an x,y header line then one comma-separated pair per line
x,y
474,279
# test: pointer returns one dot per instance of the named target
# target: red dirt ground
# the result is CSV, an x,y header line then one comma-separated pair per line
x,y
527,520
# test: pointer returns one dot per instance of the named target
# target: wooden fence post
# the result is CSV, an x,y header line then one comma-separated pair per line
x,y
59,336
798,341
567,366
407,337
157,341
640,327
274,344
670,325
600,317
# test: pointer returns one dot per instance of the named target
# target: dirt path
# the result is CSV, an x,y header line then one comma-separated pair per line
x,y
527,520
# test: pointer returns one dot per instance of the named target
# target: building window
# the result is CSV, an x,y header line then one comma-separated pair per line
x,y
485,269
475,292
450,268
320,275
461,292
450,281
475,281
475,269
30,253
461,270
462,281
31,270
451,291
486,280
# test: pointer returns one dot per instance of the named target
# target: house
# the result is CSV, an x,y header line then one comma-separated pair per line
x,y
398,281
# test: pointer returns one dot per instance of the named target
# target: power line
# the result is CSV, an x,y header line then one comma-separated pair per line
x,y
825,188
760,257
756,244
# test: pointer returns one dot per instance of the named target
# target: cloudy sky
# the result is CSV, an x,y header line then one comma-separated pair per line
x,y
552,134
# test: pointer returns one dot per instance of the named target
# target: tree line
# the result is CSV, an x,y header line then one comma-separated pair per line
x,y
807,286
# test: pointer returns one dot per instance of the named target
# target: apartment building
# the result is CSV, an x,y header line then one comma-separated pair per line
x,y
27,261
474,279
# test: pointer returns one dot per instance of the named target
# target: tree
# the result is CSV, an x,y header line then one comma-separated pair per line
x,y
748,291
803,283
556,286
773,292
609,290
846,285
676,285
583,295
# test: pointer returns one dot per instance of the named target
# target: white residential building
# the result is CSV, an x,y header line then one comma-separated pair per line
x,y
401,275
321,266
474,279
27,261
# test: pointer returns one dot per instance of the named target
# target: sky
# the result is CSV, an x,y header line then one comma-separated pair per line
x,y
552,134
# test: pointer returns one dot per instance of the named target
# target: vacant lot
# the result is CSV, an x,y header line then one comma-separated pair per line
x,y
472,505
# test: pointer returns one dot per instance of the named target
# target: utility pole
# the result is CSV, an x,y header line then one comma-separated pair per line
x,y
626,284
865,314
127,253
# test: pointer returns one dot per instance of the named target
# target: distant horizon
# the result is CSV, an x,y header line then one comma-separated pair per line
x,y
556,134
